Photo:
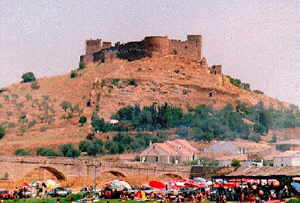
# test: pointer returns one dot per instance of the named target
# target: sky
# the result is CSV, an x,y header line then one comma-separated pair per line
x,y
256,41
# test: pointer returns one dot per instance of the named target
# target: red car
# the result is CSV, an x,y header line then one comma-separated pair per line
x,y
4,194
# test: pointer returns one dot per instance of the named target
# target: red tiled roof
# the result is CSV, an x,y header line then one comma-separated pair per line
x,y
174,147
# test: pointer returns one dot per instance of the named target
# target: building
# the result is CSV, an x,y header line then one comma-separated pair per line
x,y
288,145
236,147
175,151
225,161
98,51
288,158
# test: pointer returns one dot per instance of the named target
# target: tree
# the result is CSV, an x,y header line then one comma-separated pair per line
x,y
68,150
265,119
99,124
235,163
2,132
28,77
83,146
82,120
65,105
73,74
92,150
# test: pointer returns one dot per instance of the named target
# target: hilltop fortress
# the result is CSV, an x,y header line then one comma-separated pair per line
x,y
151,46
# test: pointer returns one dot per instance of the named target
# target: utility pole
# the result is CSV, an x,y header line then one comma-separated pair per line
x,y
95,181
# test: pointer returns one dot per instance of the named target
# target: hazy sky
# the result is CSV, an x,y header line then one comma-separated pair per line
x,y
257,41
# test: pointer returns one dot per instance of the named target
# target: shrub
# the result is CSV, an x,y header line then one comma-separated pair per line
x,y
28,97
22,152
28,77
46,152
35,85
65,105
31,123
90,136
22,129
73,74
235,163
238,83
82,120
258,92
115,81
132,82
43,129
2,132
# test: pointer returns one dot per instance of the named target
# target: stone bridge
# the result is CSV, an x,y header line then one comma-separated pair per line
x,y
64,168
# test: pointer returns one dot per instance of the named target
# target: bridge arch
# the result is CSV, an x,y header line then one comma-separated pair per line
x,y
53,171
113,173
170,175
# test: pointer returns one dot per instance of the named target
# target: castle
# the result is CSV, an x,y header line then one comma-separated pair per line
x,y
151,46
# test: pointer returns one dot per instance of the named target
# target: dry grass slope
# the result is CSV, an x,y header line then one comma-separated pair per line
x,y
34,117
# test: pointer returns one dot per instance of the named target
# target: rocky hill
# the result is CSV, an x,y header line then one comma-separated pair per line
x,y
46,112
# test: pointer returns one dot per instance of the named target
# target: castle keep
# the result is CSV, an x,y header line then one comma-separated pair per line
x,y
101,51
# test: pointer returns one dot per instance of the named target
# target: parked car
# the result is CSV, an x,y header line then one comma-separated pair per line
x,y
4,194
60,192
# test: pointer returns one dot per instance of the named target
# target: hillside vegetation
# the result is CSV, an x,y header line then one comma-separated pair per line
x,y
49,112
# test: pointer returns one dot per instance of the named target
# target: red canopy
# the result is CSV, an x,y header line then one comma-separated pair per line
x,y
157,184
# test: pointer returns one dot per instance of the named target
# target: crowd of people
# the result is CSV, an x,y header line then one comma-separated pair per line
x,y
218,192
39,190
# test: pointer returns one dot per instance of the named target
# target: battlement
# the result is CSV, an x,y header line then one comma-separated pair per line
x,y
150,46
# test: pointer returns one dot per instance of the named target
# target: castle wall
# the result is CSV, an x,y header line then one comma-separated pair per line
x,y
157,45
93,46
89,58
216,69
151,46
189,48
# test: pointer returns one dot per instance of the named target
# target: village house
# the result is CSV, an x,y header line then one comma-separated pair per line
x,y
288,145
288,158
175,151
226,161
236,147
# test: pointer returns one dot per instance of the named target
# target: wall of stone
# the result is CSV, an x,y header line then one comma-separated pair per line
x,y
92,46
18,167
151,46
189,48
157,45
